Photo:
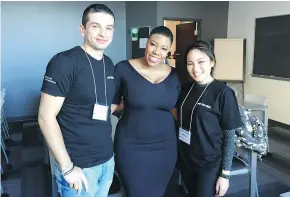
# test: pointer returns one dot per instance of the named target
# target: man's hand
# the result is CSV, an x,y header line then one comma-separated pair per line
x,y
76,179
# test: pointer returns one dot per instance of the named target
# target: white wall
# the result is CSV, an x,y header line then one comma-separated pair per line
x,y
31,33
241,24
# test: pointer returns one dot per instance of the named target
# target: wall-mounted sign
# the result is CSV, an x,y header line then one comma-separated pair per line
x,y
134,33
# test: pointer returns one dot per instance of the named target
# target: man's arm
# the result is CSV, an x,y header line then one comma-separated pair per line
x,y
59,76
48,110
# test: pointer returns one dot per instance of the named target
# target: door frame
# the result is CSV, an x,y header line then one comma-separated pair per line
x,y
186,19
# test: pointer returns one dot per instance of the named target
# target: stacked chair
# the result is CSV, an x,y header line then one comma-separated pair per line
x,y
4,136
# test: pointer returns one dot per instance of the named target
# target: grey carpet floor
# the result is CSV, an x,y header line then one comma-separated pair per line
x,y
31,178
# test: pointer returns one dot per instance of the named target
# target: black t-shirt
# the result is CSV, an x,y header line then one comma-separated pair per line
x,y
69,75
216,111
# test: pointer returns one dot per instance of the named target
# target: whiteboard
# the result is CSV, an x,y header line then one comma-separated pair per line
x,y
230,59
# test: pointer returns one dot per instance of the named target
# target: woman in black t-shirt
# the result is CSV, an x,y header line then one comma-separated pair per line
x,y
208,117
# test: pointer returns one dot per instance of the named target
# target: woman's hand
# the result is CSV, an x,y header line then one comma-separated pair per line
x,y
222,186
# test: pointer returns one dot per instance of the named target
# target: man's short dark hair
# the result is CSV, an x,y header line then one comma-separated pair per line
x,y
96,8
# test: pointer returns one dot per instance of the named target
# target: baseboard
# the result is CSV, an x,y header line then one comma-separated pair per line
x,y
278,162
279,131
31,118
275,123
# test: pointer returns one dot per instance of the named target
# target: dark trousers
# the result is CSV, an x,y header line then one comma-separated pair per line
x,y
200,183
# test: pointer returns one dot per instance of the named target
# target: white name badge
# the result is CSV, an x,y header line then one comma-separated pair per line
x,y
100,112
184,135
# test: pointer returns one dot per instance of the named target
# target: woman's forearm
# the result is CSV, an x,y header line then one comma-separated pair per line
x,y
228,150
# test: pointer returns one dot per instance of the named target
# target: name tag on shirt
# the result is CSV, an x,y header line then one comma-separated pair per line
x,y
184,135
100,112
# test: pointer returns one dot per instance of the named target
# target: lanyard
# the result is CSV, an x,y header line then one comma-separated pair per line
x,y
193,106
95,80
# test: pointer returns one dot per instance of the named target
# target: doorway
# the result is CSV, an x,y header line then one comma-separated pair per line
x,y
185,32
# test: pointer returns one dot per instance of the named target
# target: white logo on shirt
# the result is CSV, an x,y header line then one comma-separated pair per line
x,y
49,79
204,105
110,77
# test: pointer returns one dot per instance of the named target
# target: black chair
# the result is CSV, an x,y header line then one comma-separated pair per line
x,y
246,163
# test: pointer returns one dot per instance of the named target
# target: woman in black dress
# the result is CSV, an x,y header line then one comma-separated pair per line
x,y
208,118
145,139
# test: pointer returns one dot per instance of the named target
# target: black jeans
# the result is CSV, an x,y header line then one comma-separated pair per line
x,y
200,183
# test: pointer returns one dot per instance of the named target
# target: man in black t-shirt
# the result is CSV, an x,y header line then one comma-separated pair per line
x,y
74,112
